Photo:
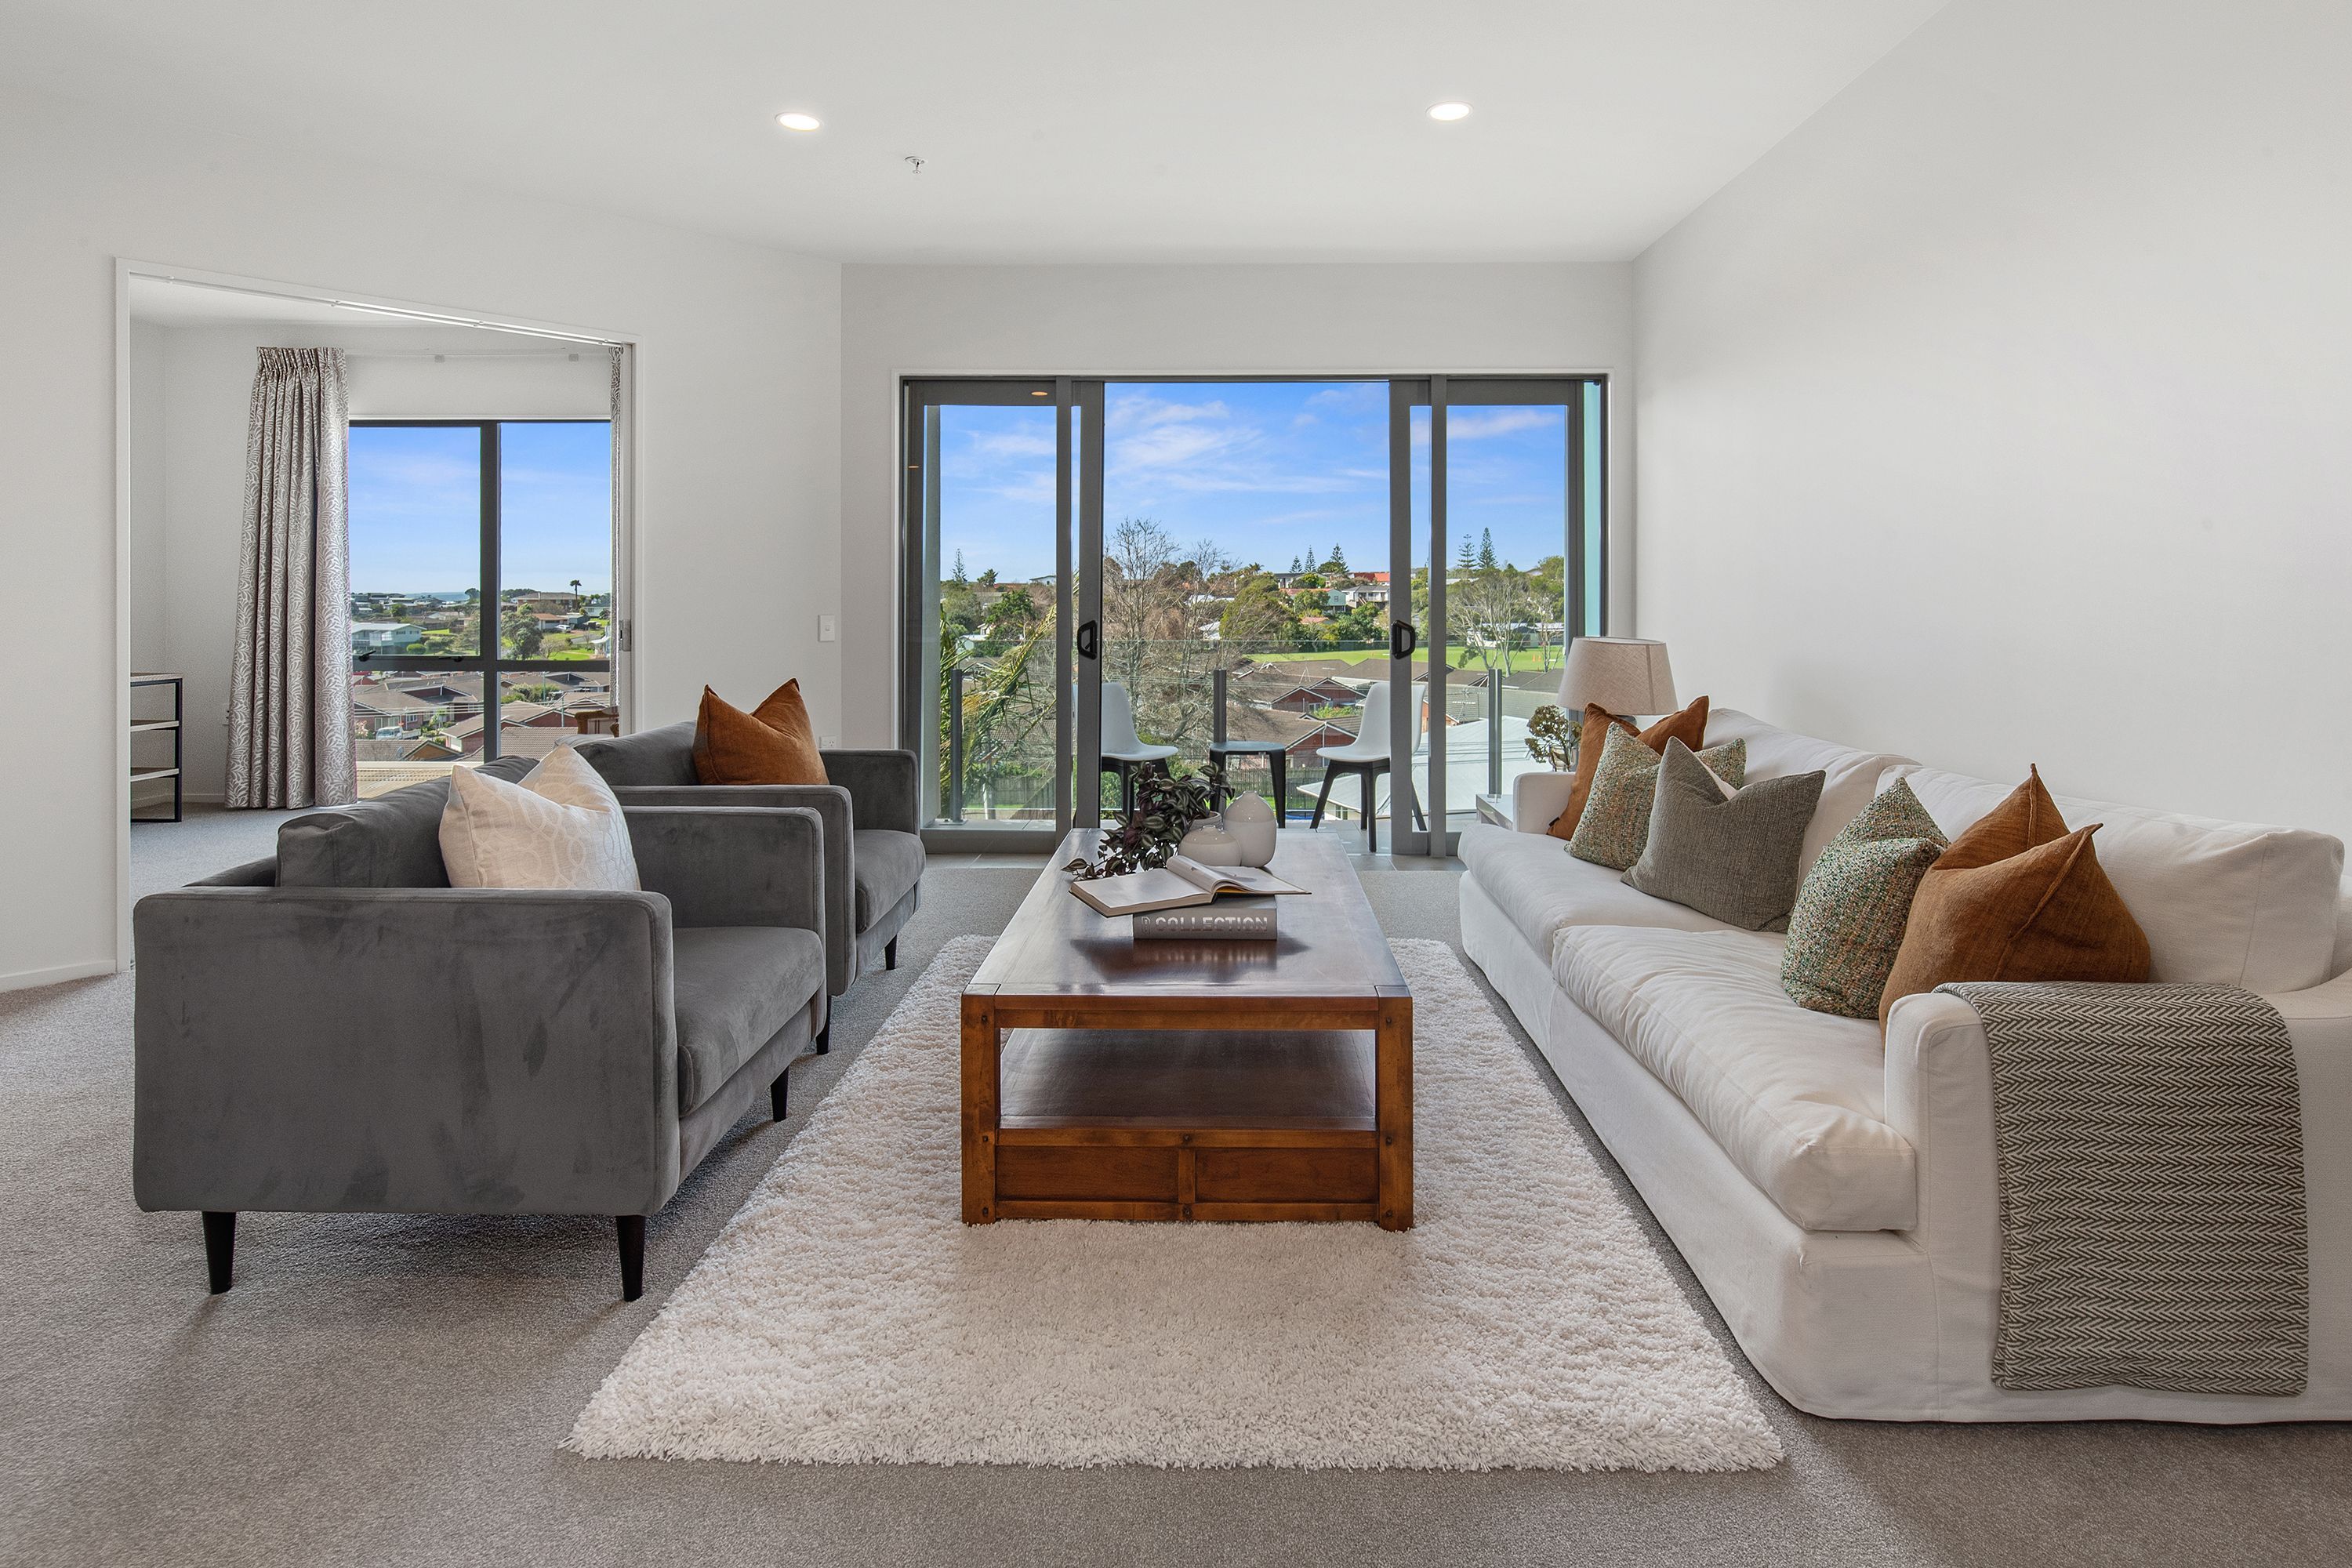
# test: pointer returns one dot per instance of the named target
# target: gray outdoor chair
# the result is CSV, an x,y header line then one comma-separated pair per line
x,y
873,848
338,1030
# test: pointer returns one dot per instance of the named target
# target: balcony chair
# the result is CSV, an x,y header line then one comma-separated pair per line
x,y
1368,756
337,1030
873,851
1123,750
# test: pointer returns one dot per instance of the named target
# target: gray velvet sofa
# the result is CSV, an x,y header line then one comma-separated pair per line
x,y
873,848
339,1030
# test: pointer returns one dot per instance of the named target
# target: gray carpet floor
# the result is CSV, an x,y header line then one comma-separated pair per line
x,y
391,1390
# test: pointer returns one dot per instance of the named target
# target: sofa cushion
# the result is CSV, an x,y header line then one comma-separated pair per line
x,y
2017,898
1850,778
560,827
2223,903
1542,889
770,745
392,841
736,986
1797,1099
1616,820
1732,853
1688,725
886,864
1848,924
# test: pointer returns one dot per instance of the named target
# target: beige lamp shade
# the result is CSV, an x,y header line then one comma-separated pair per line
x,y
1623,675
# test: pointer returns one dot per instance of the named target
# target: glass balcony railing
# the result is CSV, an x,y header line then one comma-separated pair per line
x,y
996,741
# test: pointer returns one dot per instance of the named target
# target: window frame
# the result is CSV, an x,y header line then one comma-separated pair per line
x,y
489,661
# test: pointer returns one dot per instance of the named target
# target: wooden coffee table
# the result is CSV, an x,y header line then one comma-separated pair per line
x,y
1110,1078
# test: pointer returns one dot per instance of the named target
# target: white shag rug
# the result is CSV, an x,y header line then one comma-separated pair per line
x,y
846,1315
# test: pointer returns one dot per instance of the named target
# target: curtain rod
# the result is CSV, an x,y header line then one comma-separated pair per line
x,y
402,311
445,353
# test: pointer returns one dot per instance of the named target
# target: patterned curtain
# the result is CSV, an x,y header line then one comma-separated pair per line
x,y
289,716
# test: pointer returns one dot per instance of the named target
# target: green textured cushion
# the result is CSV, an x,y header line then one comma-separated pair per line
x,y
1615,825
1850,914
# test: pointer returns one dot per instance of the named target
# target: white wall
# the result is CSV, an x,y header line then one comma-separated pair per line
x,y
184,564
2003,413
739,438
1178,319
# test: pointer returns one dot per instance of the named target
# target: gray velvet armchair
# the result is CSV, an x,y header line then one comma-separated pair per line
x,y
338,1030
873,849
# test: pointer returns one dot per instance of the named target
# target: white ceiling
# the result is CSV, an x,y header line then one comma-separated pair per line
x,y
1053,130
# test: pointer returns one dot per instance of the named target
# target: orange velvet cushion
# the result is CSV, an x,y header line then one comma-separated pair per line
x,y
2017,897
773,745
1689,727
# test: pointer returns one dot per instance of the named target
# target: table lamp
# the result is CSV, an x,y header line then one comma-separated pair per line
x,y
1622,676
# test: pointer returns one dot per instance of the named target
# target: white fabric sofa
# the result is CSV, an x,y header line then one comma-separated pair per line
x,y
1836,1194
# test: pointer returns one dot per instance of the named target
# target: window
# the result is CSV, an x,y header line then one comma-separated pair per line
x,y
446,517
1232,564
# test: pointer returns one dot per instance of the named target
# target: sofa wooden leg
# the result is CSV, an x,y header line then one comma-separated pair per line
x,y
780,1095
632,1228
220,1249
890,954
825,1039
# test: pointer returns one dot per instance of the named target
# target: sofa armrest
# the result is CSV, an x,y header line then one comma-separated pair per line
x,y
834,813
881,783
404,1050
1940,1097
733,866
1537,798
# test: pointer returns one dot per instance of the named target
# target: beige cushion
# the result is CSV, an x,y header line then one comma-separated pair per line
x,y
561,827
1542,889
1850,778
2223,903
1796,1099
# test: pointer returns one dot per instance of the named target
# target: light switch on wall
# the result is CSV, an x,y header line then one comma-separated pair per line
x,y
828,743
824,628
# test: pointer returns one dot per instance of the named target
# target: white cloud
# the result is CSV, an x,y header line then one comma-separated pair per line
x,y
1013,444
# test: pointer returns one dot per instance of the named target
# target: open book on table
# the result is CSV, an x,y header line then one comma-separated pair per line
x,y
1181,881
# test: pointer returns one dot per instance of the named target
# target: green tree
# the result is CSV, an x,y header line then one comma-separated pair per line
x,y
1486,550
519,631
1336,563
1012,615
1260,616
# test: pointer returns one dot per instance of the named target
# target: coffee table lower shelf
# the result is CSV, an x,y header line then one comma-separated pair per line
x,y
1185,1124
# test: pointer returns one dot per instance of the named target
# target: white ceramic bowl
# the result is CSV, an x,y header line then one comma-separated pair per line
x,y
1211,846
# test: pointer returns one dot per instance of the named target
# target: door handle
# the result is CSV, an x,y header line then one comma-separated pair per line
x,y
1402,639
1090,642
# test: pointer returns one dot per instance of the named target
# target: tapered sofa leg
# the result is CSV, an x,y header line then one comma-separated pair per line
x,y
220,1249
825,1039
890,954
632,1228
780,1095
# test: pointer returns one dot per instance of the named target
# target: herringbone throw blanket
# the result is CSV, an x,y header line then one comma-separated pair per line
x,y
2151,1187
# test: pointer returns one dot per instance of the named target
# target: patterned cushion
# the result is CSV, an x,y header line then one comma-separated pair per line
x,y
561,827
1848,923
1616,821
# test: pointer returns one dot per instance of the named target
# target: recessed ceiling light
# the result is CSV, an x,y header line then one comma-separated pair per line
x,y
1449,112
799,121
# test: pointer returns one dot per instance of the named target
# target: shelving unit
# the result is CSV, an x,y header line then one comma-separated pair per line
x,y
144,775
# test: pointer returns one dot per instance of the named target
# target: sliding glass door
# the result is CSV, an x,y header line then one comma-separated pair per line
x,y
1497,529
1104,575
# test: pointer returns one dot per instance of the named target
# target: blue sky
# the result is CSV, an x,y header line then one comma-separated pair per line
x,y
1266,469
415,507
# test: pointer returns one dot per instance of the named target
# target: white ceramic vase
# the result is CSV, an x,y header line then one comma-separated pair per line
x,y
1249,822
1210,845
